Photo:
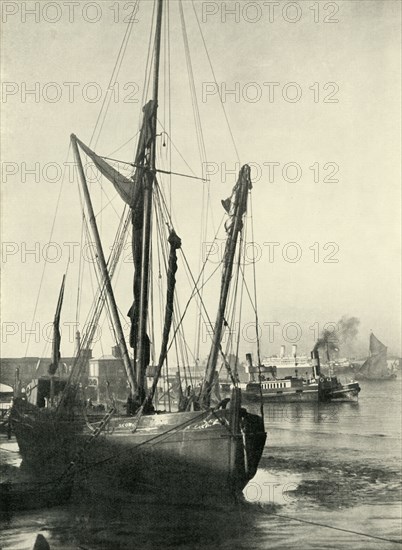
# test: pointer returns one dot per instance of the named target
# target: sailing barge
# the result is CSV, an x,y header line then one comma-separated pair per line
x,y
198,454
375,367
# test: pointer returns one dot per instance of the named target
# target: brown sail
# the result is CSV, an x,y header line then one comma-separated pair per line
x,y
375,366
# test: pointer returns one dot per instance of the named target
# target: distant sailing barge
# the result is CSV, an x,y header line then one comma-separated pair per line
x,y
375,366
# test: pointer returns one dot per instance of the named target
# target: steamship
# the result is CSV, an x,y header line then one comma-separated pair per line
x,y
265,384
292,364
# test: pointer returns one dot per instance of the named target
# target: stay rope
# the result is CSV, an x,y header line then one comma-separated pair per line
x,y
216,83
203,158
256,316
45,263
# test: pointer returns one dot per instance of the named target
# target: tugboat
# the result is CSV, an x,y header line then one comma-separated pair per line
x,y
294,389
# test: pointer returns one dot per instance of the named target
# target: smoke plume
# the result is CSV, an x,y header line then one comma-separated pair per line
x,y
348,328
344,335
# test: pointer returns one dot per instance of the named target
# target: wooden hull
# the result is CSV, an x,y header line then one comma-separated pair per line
x,y
191,457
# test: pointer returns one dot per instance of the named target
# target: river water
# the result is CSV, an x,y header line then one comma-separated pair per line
x,y
324,467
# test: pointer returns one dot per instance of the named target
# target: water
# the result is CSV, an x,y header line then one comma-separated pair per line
x,y
335,465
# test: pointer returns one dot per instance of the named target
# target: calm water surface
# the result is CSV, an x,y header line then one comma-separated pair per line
x,y
334,465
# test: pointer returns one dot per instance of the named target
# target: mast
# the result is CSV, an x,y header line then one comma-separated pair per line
x,y
240,204
142,342
104,270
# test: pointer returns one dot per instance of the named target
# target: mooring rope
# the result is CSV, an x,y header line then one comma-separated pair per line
x,y
318,524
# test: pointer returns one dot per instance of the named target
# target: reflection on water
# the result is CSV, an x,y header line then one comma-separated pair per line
x,y
120,522
335,464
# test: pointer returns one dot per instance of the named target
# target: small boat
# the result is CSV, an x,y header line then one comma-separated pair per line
x,y
375,367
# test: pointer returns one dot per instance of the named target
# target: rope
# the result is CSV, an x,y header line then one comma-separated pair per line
x,y
351,531
169,99
152,439
80,274
203,158
96,432
113,78
217,87
99,300
241,252
256,317
100,122
147,74
179,347
46,263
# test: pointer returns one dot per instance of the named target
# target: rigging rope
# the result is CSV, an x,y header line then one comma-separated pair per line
x,y
45,264
242,252
169,99
256,316
99,300
112,81
203,158
255,285
96,132
217,86
196,289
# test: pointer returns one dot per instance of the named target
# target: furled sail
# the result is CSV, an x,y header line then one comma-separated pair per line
x,y
140,178
175,244
56,332
136,244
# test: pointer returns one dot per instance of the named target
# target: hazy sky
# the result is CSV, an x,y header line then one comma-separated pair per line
x,y
312,94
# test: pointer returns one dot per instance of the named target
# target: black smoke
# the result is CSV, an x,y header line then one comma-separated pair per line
x,y
342,336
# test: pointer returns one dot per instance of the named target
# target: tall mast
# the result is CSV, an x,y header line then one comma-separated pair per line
x,y
146,231
104,270
240,201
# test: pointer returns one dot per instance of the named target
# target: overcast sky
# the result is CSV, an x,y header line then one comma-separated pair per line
x,y
312,95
